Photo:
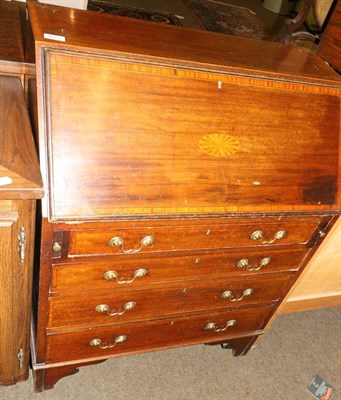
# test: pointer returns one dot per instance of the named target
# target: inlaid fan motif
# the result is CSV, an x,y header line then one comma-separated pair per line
x,y
219,144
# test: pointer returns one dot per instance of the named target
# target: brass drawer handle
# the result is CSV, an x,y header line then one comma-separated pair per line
x,y
258,235
117,241
104,308
139,273
244,263
229,295
57,247
98,342
213,326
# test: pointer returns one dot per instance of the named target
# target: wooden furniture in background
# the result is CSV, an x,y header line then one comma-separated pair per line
x,y
330,46
321,11
320,283
20,186
13,60
188,185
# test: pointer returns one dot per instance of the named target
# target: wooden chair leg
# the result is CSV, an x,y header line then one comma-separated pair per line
x,y
292,25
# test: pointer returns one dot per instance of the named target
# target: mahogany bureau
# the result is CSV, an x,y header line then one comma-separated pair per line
x,y
190,176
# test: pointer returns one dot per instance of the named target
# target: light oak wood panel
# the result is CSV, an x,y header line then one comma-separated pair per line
x,y
320,283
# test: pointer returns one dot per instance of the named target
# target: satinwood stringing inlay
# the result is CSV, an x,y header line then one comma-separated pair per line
x,y
218,144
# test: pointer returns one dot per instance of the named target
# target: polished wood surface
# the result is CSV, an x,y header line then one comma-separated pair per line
x,y
7,349
112,34
210,234
90,275
11,46
19,168
153,335
330,46
12,53
157,132
189,154
78,309
68,313
19,163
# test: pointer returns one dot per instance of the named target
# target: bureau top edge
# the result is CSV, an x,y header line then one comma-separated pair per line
x,y
233,75
88,31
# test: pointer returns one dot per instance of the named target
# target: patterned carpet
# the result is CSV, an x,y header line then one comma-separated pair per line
x,y
210,15
133,12
225,18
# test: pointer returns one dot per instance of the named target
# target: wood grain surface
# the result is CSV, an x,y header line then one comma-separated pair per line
x,y
11,42
20,186
12,52
195,138
18,156
73,310
15,288
208,235
8,350
112,34
183,142
153,335
90,275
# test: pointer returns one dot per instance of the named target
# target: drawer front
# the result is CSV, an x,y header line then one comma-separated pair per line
x,y
154,239
171,332
134,272
122,306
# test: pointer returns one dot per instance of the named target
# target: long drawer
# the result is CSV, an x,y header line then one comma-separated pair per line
x,y
134,272
122,306
209,235
171,332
